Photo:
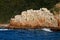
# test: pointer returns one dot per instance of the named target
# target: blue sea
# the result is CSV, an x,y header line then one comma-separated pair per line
x,y
24,34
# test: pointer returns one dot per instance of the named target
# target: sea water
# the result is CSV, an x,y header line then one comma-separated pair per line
x,y
24,34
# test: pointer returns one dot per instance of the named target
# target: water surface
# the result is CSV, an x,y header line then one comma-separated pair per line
x,y
23,34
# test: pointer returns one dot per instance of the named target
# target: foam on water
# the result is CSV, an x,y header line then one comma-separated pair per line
x,y
4,29
46,29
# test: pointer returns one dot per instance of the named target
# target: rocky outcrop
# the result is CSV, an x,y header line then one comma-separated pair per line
x,y
56,12
57,16
34,19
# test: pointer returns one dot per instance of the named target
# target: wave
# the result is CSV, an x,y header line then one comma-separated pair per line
x,y
47,29
44,29
4,29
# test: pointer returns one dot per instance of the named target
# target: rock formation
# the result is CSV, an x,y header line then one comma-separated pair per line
x,y
34,19
56,12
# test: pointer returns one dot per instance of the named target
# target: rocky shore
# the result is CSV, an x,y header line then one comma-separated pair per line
x,y
34,19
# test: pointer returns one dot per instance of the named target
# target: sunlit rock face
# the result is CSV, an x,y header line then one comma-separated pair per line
x,y
56,12
34,19
57,17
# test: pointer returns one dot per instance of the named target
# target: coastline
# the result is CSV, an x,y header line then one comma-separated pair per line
x,y
7,26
